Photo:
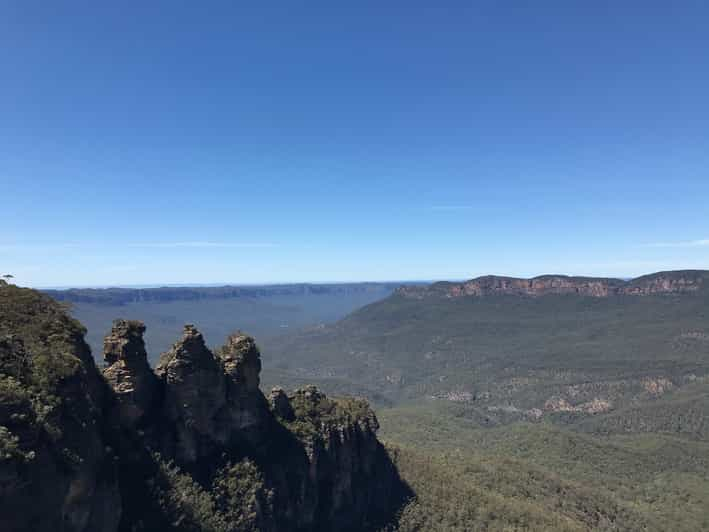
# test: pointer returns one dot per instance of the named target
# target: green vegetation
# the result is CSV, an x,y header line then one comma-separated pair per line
x,y
9,447
504,351
463,492
315,412
239,494
40,351
46,334
520,413
684,411
558,413
538,476
236,502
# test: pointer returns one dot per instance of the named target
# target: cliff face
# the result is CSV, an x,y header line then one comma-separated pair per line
x,y
678,282
211,402
663,283
343,460
56,470
127,372
193,445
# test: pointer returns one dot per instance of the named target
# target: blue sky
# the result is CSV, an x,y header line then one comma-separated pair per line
x,y
188,142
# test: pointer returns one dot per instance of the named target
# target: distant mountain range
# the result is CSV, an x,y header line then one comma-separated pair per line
x,y
122,296
554,403
218,310
513,348
671,282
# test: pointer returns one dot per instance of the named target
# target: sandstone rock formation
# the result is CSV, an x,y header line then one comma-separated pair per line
x,y
195,394
663,283
193,445
280,404
242,361
128,373
679,282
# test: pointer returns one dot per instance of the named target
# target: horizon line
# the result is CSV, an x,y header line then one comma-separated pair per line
x,y
348,282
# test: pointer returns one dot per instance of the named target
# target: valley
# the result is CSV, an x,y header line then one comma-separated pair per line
x,y
261,310
509,404
551,411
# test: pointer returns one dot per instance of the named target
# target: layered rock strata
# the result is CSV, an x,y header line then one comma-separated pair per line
x,y
662,283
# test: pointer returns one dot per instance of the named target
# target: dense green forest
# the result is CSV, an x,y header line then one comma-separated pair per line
x,y
506,356
540,476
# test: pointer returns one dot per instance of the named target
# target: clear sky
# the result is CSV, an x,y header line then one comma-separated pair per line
x,y
206,142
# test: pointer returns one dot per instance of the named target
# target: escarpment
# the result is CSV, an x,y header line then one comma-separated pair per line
x,y
191,445
57,470
661,283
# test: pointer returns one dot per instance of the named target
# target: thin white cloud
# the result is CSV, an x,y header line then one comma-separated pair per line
x,y
203,244
451,207
680,244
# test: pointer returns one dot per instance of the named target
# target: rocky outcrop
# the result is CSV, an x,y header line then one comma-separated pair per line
x,y
193,445
345,461
241,360
195,394
211,400
658,386
133,382
548,284
663,283
678,282
595,406
280,404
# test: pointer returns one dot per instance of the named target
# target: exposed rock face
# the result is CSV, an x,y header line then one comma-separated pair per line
x,y
125,342
548,284
345,460
663,283
195,393
280,404
680,282
242,361
128,373
246,415
192,446
595,406
658,386
211,400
